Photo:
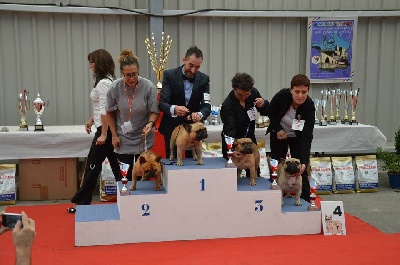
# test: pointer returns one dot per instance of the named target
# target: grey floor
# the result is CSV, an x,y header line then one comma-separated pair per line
x,y
380,209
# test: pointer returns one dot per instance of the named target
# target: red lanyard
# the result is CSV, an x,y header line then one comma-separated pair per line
x,y
130,102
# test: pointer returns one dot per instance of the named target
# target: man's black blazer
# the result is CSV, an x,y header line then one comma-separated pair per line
x,y
173,93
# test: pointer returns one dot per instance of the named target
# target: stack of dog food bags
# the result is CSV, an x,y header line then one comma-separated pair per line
x,y
321,173
108,185
366,173
7,184
343,180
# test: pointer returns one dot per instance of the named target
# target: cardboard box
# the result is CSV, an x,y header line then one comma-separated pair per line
x,y
47,178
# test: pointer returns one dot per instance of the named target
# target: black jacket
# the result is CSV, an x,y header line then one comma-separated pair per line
x,y
278,107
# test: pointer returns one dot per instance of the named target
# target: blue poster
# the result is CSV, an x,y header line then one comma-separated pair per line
x,y
331,51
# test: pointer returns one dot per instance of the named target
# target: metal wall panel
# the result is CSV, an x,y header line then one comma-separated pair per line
x,y
46,52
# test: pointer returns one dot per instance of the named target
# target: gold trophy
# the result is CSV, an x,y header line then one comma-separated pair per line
x,y
338,96
332,94
23,106
38,107
346,97
354,97
158,60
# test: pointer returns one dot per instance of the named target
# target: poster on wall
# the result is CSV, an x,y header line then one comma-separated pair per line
x,y
331,49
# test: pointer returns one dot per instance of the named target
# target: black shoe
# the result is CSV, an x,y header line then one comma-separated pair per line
x,y
71,209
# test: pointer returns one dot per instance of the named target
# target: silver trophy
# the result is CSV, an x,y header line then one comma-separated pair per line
x,y
229,145
39,106
313,196
338,97
23,106
332,98
274,174
124,171
354,97
324,100
316,104
214,115
347,100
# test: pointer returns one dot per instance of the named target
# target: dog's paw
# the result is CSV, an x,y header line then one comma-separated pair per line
x,y
253,183
171,158
200,162
298,203
179,163
158,188
132,188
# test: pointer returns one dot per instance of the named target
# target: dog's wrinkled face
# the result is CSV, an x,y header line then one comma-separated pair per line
x,y
197,131
244,146
149,167
292,166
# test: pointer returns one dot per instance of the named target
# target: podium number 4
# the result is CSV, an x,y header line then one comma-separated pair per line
x,y
332,214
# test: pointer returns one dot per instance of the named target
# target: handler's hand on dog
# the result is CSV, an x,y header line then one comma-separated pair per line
x,y
259,102
147,129
281,135
181,110
116,142
195,117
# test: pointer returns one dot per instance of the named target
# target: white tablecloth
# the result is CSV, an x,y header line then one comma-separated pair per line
x,y
331,139
73,141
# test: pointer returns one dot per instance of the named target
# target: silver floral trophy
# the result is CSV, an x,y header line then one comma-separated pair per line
x,y
124,171
229,145
39,106
313,196
274,174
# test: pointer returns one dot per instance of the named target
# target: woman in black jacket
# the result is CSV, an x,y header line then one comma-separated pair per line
x,y
292,116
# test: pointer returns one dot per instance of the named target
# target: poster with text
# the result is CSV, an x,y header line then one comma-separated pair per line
x,y
330,54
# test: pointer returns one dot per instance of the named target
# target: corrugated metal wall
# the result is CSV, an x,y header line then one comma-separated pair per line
x,y
46,53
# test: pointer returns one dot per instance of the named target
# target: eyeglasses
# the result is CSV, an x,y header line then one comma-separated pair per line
x,y
129,75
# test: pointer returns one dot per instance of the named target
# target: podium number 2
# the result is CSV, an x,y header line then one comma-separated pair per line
x,y
259,207
146,209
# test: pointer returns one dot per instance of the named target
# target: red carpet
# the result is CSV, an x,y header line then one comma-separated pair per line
x,y
54,244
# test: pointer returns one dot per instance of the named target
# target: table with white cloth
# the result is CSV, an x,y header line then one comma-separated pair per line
x,y
54,142
331,139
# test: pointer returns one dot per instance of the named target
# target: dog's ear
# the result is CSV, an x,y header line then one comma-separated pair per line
x,y
142,160
188,127
282,161
158,159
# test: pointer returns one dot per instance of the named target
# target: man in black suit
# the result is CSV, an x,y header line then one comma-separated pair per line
x,y
185,95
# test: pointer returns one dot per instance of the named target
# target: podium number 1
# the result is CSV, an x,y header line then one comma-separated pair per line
x,y
202,185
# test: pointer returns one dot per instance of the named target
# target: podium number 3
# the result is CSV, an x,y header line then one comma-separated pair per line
x,y
259,207
146,209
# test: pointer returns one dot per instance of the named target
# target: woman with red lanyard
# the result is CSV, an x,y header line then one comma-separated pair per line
x,y
132,111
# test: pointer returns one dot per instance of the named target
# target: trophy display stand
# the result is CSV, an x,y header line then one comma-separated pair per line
x,y
196,202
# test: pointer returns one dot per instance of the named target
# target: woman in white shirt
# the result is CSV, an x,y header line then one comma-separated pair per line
x,y
102,65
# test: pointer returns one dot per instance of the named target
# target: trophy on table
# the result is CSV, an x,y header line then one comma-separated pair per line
x,y
38,106
332,97
324,100
23,106
338,97
346,97
313,196
158,60
316,105
214,115
124,171
354,97
229,145
274,174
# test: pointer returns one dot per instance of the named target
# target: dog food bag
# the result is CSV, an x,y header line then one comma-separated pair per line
x,y
343,177
108,185
366,173
321,173
8,193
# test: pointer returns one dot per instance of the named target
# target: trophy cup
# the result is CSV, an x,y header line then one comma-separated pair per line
x,y
260,121
323,113
313,196
347,97
354,96
22,107
316,105
158,62
38,107
214,115
124,170
332,97
274,174
338,96
229,145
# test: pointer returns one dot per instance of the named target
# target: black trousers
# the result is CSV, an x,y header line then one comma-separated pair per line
x,y
279,149
95,158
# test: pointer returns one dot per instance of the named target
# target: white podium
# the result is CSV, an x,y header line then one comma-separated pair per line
x,y
197,202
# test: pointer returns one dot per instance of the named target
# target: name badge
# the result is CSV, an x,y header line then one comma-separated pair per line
x,y
126,127
206,97
298,125
253,114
